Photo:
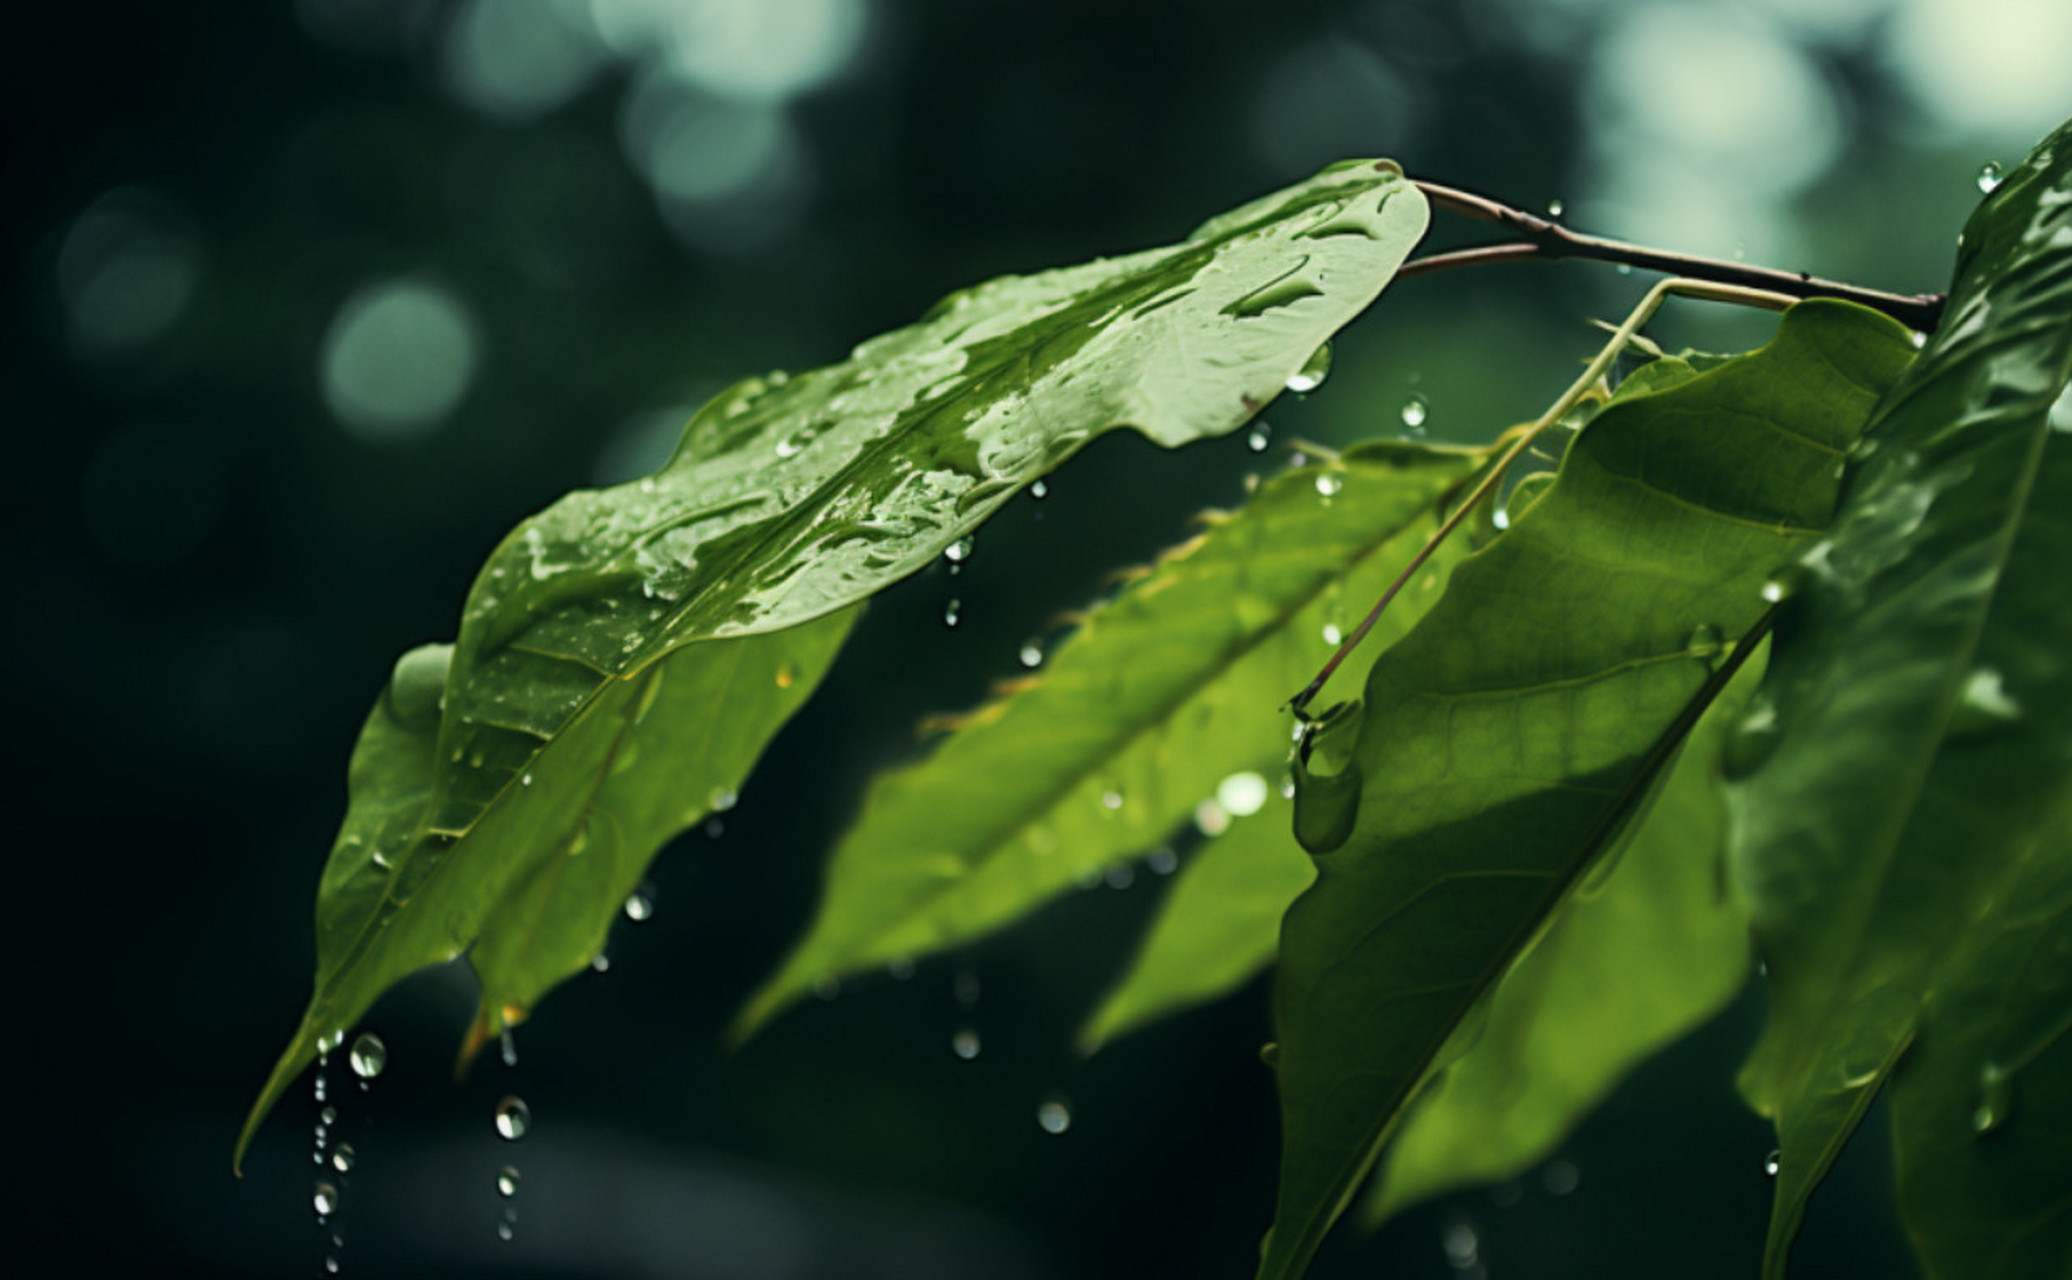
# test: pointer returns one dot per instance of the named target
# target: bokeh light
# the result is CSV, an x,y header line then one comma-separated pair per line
x,y
398,357
126,271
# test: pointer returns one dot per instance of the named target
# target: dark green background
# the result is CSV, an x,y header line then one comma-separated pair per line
x,y
212,578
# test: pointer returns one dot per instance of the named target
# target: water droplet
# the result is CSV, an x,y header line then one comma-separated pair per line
x,y
1772,1163
318,1088
1162,861
525,780
1463,1247
1054,1116
600,962
1561,1177
1039,490
723,799
952,611
960,550
1989,176
1415,410
331,1264
1554,207
342,1159
1031,654
1986,697
369,1056
327,1117
513,1118
964,1043
1328,484
1775,590
1919,339
1996,1097
639,907
1312,373
507,1181
1242,794
1624,268
325,1199
1111,799
1258,438
789,447
1705,642
1751,741
1332,635
507,1044
505,1230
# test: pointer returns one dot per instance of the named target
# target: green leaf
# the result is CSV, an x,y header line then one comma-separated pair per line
x,y
1647,950
536,884
1912,742
788,500
1512,732
1219,925
1162,696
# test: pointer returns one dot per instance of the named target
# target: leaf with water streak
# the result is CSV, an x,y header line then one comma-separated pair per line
x,y
789,499
1163,697
1912,745
1513,732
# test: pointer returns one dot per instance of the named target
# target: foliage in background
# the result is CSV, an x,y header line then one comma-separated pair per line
x,y
1507,795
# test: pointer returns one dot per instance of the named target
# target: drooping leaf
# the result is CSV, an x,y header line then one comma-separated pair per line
x,y
1163,695
550,864
789,499
1645,951
1511,733
1219,925
1913,743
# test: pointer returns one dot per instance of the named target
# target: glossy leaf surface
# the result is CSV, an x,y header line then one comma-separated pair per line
x,y
1511,733
789,499
1908,758
1163,696
1645,950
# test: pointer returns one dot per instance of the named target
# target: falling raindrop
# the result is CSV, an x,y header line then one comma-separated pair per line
x,y
1259,437
369,1056
1031,654
639,906
1920,340
1039,490
505,1230
330,1264
513,1118
1989,176
507,1181
1054,1116
600,962
1312,373
327,1117
507,1044
1414,412
964,1043
1328,484
1772,1163
952,611
325,1200
342,1159
960,550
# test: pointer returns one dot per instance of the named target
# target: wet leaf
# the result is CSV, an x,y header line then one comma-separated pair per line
x,y
1915,749
1646,950
1142,716
789,499
1509,736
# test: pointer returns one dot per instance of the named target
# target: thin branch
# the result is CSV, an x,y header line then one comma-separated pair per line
x,y
1541,240
1591,375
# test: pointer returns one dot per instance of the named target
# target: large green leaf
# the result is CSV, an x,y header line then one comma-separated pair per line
x,y
791,498
1648,949
1511,733
1911,748
1158,699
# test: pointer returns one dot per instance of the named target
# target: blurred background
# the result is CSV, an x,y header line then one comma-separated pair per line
x,y
309,302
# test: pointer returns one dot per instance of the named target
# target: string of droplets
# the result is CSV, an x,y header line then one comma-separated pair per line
x,y
367,1058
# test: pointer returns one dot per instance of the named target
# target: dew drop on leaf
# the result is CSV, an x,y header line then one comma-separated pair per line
x,y
1111,799
1414,412
1328,484
1332,635
513,1118
1031,654
723,799
1772,1163
1039,490
1312,373
369,1056
960,550
1989,175
1054,1116
639,907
